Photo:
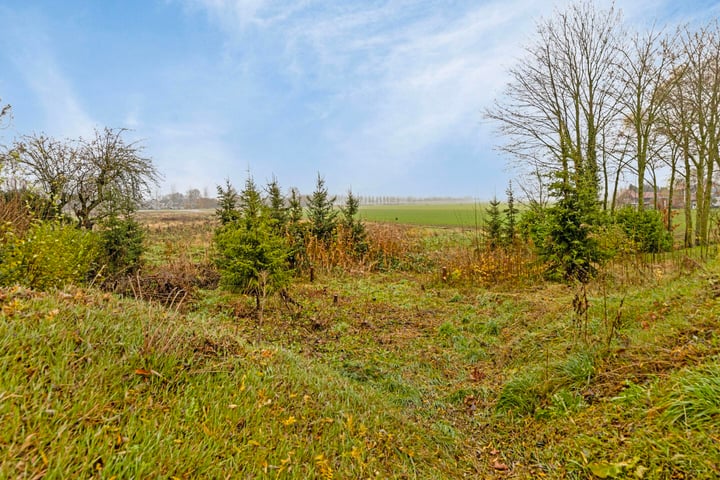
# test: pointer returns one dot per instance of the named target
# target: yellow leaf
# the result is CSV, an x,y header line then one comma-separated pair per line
x,y
289,421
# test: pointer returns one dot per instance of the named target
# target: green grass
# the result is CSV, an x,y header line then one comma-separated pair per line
x,y
404,376
467,215
93,385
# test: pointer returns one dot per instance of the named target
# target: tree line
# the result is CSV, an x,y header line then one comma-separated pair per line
x,y
593,102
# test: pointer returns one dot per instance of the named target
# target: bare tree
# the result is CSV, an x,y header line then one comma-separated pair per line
x,y
643,66
113,177
47,165
92,178
693,117
563,96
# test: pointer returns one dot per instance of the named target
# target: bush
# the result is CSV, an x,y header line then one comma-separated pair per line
x,y
122,246
645,228
51,254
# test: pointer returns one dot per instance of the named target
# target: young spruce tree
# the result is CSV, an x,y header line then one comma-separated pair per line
x,y
277,210
251,257
353,225
227,211
493,224
321,212
511,213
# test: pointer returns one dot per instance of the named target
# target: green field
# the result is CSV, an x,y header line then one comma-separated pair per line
x,y
445,214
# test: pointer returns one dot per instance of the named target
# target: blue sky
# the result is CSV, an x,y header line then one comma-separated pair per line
x,y
384,97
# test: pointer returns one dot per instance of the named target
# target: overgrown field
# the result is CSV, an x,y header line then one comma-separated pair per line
x,y
399,373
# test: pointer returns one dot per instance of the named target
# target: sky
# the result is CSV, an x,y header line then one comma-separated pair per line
x,y
381,97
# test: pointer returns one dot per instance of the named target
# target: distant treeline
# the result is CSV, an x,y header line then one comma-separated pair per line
x,y
197,199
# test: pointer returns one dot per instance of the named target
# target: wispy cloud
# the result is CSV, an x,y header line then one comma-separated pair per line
x,y
33,56
393,80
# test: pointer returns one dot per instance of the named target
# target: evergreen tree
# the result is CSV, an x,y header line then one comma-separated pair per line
x,y
296,229
277,210
227,211
353,225
295,210
252,260
321,212
250,203
494,224
567,245
510,216
251,256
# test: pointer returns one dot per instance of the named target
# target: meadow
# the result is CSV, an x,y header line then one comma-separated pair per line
x,y
414,370
468,215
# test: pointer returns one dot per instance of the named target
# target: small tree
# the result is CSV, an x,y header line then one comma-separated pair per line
x,y
121,246
227,197
251,256
493,224
321,212
250,204
277,210
353,225
295,209
252,261
511,213
112,177
567,244
95,179
296,229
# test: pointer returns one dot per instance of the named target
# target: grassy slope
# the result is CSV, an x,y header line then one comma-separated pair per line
x,y
403,378
94,385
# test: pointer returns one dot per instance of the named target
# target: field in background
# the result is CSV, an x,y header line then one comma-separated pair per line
x,y
467,215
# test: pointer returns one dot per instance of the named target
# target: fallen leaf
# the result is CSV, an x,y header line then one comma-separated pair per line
x,y
498,465
142,372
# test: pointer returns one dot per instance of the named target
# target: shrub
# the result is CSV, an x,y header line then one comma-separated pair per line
x,y
51,254
14,214
122,246
645,228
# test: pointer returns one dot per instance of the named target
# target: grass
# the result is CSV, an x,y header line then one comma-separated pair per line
x,y
403,376
469,215
97,386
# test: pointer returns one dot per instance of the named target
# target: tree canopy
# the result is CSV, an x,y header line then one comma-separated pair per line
x,y
93,178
